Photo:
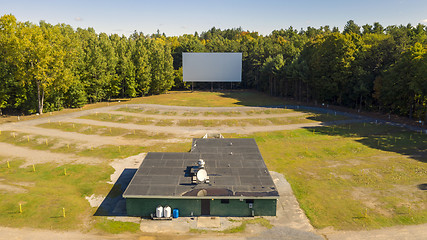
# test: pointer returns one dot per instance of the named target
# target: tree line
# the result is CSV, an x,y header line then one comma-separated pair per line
x,y
45,67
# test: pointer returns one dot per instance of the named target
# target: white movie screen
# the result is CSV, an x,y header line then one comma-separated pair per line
x,y
212,67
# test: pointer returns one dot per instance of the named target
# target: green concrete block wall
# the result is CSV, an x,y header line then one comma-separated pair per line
x,y
235,207
145,207
265,207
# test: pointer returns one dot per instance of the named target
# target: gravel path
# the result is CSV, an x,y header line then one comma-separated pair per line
x,y
33,156
96,140
7,233
87,139
197,117
30,127
90,140
410,232
290,222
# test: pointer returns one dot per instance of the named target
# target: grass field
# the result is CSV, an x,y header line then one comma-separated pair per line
x,y
48,191
212,99
353,176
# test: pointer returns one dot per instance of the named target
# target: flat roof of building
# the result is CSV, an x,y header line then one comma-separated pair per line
x,y
235,168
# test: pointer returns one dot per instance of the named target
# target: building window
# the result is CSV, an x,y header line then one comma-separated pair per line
x,y
249,201
225,201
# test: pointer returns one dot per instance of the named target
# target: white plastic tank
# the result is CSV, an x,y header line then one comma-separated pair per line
x,y
159,211
167,211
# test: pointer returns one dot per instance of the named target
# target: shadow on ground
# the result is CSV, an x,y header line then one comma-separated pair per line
x,y
252,98
382,137
114,204
379,134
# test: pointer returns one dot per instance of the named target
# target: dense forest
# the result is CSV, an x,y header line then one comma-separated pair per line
x,y
48,67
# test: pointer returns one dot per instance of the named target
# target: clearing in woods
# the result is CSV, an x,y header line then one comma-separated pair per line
x,y
347,173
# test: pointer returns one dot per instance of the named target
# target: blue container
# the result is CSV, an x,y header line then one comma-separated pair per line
x,y
175,213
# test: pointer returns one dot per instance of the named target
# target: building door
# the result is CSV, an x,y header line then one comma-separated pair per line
x,y
206,207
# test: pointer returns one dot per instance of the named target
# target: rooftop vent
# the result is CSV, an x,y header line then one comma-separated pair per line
x,y
201,163
213,135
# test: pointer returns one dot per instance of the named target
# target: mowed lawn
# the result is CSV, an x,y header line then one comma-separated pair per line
x,y
44,193
351,177
212,99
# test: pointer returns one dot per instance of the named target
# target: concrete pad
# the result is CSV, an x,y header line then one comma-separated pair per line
x,y
289,213
176,225
208,222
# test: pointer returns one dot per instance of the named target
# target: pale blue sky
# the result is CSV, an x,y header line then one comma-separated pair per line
x,y
187,16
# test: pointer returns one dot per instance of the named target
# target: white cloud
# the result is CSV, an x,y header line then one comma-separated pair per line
x,y
424,21
78,19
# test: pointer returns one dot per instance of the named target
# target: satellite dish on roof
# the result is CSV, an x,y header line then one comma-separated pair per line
x,y
201,175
